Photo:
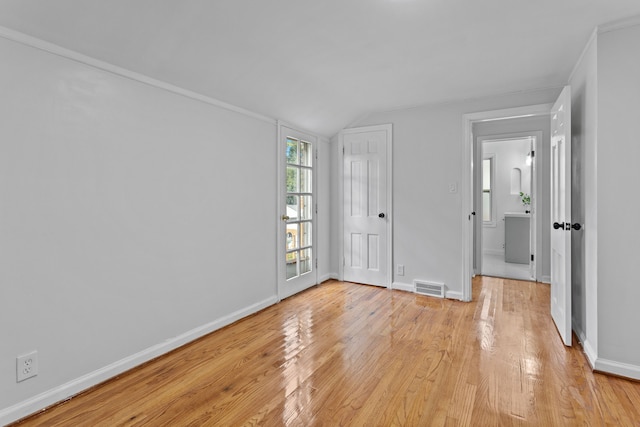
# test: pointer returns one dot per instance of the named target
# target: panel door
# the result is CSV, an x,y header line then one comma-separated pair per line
x,y
366,213
561,214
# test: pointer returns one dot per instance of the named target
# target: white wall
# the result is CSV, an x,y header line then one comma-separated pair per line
x,y
335,206
507,155
584,298
326,269
132,219
605,88
618,175
426,159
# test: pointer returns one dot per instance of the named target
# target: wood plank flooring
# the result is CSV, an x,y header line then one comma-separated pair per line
x,y
354,355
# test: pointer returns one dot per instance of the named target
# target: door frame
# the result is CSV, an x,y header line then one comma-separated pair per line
x,y
536,181
281,280
467,179
388,128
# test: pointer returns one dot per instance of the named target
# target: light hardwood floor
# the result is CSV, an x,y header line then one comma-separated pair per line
x,y
346,354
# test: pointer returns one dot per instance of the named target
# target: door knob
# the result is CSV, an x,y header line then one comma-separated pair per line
x,y
559,226
380,215
285,217
576,226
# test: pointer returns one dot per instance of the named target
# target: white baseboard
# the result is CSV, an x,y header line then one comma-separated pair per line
x,y
617,368
588,349
67,390
604,365
546,279
328,276
590,352
453,295
411,288
403,286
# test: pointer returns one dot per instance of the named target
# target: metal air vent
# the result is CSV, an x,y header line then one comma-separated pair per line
x,y
432,289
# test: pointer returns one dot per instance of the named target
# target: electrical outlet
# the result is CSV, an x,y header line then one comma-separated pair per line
x,y
26,366
400,270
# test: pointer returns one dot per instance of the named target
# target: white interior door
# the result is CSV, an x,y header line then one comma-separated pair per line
x,y
561,214
366,205
297,212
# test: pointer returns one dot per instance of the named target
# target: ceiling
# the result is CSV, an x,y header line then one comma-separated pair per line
x,y
322,64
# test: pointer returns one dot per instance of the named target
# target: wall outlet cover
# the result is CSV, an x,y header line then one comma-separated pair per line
x,y
26,366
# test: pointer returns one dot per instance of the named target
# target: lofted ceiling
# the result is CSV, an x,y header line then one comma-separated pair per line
x,y
322,64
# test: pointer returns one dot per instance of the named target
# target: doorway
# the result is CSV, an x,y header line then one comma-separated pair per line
x,y
505,199
511,120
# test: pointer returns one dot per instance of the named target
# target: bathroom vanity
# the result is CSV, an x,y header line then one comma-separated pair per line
x,y
516,237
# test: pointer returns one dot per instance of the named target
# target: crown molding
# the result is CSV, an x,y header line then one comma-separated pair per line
x,y
619,24
54,49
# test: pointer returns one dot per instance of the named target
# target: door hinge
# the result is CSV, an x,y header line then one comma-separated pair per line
x,y
531,257
316,263
533,153
343,150
316,208
344,261
316,154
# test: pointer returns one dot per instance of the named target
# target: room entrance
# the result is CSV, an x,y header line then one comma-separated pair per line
x,y
505,199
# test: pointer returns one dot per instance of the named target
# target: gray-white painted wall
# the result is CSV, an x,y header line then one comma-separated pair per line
x,y
618,149
132,219
606,87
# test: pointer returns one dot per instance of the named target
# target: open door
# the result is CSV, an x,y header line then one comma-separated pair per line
x,y
561,214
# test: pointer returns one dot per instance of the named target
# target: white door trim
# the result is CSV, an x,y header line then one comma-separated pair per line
x,y
389,130
467,178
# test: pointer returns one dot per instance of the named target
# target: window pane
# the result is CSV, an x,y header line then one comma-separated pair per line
x,y
305,153
292,236
305,234
486,206
292,264
292,179
305,181
305,261
292,208
292,151
305,207
486,174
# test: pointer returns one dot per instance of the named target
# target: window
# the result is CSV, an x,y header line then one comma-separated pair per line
x,y
488,202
